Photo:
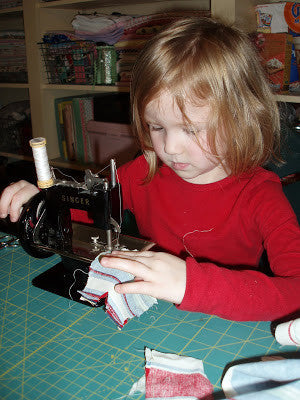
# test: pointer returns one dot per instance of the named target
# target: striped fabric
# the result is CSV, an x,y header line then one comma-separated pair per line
x,y
120,307
173,377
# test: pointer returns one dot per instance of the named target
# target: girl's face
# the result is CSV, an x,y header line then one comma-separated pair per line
x,y
177,144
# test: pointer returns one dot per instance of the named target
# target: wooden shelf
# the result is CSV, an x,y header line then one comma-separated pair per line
x,y
290,97
14,85
16,156
61,163
11,10
86,88
81,4
68,4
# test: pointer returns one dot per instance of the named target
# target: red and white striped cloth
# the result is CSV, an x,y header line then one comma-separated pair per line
x,y
173,377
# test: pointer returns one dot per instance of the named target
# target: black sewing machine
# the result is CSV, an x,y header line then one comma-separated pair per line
x,y
46,228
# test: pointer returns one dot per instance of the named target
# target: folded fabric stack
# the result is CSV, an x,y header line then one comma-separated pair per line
x,y
100,27
120,307
137,32
13,64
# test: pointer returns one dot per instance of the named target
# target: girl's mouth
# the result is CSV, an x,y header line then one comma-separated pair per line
x,y
179,166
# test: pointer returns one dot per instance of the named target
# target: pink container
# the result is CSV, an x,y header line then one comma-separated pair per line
x,y
111,140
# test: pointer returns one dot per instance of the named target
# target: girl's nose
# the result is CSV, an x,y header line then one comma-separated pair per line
x,y
172,144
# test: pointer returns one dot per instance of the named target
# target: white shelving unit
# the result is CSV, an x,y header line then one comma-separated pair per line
x,y
38,17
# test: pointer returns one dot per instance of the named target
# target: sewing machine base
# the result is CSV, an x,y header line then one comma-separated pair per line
x,y
62,280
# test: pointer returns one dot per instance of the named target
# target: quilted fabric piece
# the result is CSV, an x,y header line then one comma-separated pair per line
x,y
120,307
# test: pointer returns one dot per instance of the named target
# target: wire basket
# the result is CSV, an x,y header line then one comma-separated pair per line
x,y
69,63
14,136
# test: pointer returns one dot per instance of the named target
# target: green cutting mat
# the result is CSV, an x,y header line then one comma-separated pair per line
x,y
56,349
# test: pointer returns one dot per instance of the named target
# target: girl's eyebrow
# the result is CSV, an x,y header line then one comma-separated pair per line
x,y
193,125
196,124
152,121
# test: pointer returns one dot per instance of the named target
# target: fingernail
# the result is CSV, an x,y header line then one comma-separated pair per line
x,y
117,288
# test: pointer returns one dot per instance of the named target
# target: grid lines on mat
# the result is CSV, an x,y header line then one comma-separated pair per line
x,y
54,348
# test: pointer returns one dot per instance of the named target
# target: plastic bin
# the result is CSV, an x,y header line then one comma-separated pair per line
x,y
111,140
106,66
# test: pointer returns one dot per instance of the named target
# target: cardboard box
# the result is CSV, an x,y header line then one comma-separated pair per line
x,y
276,54
282,17
111,140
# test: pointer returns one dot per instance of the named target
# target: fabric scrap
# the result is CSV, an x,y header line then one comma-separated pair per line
x,y
171,376
138,387
120,307
263,380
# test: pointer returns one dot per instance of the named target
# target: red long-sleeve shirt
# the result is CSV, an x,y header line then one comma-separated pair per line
x,y
221,230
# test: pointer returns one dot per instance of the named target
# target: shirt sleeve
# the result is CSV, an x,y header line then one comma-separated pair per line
x,y
246,294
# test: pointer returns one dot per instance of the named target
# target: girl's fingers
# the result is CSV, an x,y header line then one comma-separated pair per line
x,y
6,198
136,268
134,287
16,206
132,253
13,197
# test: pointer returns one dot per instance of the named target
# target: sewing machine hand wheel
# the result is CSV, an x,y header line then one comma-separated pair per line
x,y
30,216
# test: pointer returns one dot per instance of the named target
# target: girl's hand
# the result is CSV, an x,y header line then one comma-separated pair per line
x,y
13,197
160,275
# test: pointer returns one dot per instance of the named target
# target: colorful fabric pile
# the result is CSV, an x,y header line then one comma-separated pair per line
x,y
100,27
127,33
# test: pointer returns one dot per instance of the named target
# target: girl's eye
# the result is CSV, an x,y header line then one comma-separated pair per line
x,y
198,130
190,131
155,128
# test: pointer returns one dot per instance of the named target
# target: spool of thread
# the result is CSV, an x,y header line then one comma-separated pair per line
x,y
42,166
288,333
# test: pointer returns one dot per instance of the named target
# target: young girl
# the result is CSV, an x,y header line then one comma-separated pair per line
x,y
207,121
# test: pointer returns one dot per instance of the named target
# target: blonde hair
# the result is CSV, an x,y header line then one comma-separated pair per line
x,y
208,62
